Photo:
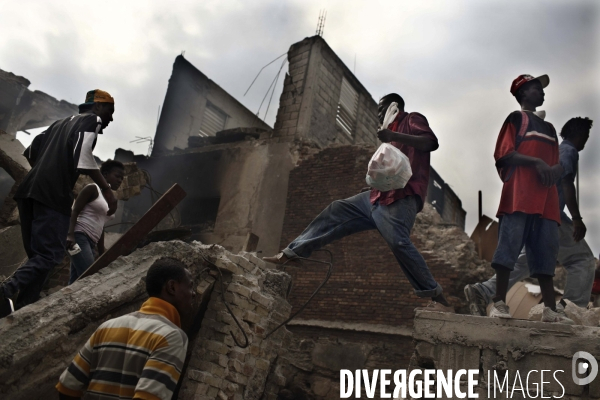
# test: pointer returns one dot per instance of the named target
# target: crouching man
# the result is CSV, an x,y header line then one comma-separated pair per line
x,y
392,213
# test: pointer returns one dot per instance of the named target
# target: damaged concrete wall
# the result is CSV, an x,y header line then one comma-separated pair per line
x,y
40,340
309,362
232,189
195,103
309,103
22,109
453,342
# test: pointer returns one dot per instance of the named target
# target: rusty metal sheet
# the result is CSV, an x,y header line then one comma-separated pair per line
x,y
129,241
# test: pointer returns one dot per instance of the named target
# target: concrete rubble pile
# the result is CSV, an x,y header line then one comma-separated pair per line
x,y
40,340
450,243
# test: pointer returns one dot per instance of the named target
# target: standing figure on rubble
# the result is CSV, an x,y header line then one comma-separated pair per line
x,y
88,217
573,252
138,355
45,197
528,162
392,213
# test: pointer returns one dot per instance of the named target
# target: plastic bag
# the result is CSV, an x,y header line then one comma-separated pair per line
x,y
389,169
390,115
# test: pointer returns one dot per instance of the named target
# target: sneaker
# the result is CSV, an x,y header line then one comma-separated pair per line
x,y
557,316
477,300
500,310
280,259
435,306
6,305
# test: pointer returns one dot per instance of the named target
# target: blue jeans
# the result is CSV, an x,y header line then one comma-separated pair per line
x,y
44,231
538,235
82,260
576,258
356,214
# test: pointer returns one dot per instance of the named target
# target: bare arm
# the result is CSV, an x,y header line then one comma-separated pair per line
x,y
422,143
579,229
104,187
89,193
548,175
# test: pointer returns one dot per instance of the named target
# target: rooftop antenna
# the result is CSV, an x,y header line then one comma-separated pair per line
x,y
145,139
321,23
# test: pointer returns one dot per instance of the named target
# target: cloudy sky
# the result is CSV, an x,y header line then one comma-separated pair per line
x,y
451,60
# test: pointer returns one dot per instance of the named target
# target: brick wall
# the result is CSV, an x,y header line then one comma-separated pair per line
x,y
309,362
367,284
311,92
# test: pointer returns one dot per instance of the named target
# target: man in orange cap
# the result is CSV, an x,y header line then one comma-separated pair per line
x,y
45,196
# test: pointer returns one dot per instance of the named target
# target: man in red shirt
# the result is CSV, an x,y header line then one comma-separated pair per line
x,y
527,160
392,213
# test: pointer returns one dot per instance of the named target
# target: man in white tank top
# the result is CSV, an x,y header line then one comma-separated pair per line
x,y
88,216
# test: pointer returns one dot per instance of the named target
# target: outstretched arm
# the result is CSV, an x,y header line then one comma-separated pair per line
x,y
422,143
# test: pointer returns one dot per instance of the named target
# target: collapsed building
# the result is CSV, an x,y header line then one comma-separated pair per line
x,y
250,190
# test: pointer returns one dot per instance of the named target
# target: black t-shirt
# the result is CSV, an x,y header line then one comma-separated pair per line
x,y
59,153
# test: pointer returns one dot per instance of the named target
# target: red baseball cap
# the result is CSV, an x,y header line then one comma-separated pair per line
x,y
523,79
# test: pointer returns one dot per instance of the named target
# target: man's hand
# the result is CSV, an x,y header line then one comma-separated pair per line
x,y
557,171
386,135
70,240
109,196
545,172
579,230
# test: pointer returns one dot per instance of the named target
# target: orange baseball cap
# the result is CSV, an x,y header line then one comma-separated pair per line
x,y
97,96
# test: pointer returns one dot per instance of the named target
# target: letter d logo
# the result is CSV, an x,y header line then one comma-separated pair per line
x,y
581,368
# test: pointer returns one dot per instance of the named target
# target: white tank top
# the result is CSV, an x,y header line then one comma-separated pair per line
x,y
92,218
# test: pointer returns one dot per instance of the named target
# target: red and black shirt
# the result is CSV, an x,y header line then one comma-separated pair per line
x,y
523,190
410,124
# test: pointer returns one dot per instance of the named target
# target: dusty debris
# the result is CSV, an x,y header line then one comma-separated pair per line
x,y
579,315
451,243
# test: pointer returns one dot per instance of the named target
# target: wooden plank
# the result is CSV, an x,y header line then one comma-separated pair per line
x,y
129,241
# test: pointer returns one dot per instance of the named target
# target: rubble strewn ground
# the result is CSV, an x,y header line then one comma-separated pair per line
x,y
40,340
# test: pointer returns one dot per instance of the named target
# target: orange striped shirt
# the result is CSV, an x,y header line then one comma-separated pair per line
x,y
136,356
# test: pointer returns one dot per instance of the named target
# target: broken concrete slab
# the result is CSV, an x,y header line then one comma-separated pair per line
x,y
447,341
22,109
11,157
41,339
16,166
